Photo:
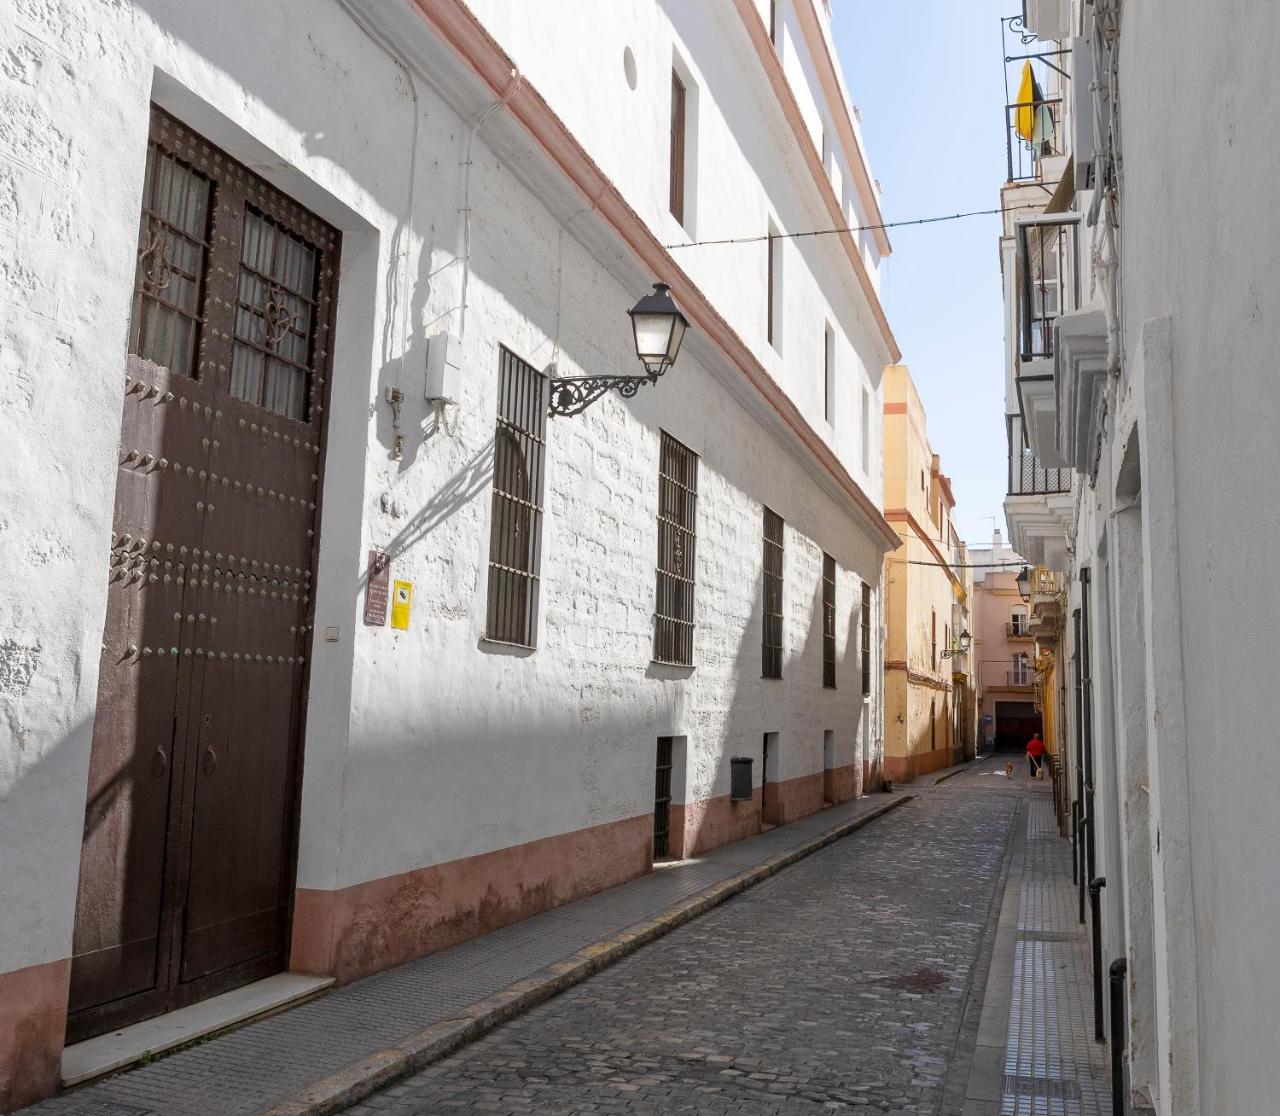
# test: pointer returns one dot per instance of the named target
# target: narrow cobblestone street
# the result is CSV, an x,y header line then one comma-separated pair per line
x,y
842,982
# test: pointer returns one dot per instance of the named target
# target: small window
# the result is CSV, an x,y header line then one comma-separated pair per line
x,y
771,637
866,640
829,375
678,121
773,292
866,431
773,21
828,621
515,535
173,247
274,309
933,638
677,552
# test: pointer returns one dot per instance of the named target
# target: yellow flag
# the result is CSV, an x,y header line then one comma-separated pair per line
x,y
1024,120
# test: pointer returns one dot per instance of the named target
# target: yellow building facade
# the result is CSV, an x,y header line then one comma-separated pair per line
x,y
925,672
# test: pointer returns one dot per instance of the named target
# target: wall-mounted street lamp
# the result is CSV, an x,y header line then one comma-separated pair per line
x,y
1024,584
658,328
962,644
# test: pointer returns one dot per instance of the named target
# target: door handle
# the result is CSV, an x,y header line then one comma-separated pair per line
x,y
159,763
210,761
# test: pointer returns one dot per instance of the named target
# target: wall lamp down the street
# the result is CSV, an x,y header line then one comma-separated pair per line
x,y
1024,584
961,647
658,328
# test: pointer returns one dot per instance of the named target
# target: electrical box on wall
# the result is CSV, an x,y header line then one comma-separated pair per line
x,y
444,372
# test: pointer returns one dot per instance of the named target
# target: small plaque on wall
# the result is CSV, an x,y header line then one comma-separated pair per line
x,y
377,588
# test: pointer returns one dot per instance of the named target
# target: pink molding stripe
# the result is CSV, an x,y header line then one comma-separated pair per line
x,y
455,24
820,52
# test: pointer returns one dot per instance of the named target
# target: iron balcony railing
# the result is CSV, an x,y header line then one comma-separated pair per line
x,y
1024,155
1048,281
1027,477
1018,630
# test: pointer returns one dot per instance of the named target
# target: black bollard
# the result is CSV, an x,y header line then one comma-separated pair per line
x,y
1095,909
1118,1031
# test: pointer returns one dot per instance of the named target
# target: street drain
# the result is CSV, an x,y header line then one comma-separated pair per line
x,y
1049,1088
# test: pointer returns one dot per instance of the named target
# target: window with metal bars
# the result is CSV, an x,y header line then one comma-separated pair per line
x,y
515,535
173,248
274,308
677,553
828,621
771,636
662,799
866,640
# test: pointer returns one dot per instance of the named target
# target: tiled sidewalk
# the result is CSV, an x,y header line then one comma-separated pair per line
x,y
1052,1066
249,1070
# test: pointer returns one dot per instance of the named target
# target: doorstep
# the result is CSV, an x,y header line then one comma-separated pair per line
x,y
95,1057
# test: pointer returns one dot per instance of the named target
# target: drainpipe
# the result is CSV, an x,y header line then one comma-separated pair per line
x,y
1086,728
1075,842
1095,909
1118,969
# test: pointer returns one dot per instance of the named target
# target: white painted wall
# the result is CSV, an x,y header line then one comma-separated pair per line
x,y
426,745
1197,390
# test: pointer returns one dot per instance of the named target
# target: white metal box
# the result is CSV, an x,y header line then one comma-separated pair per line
x,y
444,371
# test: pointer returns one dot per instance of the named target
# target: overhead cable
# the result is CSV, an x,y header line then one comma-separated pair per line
x,y
854,228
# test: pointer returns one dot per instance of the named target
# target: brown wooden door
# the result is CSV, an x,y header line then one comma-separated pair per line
x,y
187,864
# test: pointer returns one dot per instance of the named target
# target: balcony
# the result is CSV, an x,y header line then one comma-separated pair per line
x,y
1047,264
1034,160
1027,476
1018,629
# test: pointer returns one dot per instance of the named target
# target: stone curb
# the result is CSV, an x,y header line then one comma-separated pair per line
x,y
419,1050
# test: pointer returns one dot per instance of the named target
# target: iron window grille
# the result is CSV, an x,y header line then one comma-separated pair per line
x,y
771,636
515,535
173,248
662,800
866,640
219,247
677,553
828,621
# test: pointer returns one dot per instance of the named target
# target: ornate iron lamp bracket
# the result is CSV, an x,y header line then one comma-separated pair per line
x,y
571,395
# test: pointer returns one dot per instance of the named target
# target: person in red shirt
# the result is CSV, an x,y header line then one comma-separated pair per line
x,y
1035,755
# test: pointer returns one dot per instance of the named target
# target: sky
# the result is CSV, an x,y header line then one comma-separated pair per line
x,y
928,78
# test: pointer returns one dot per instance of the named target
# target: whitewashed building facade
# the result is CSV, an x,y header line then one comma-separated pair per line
x,y
223,752
1157,391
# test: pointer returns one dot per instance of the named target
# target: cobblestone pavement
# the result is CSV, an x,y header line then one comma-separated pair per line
x,y
839,984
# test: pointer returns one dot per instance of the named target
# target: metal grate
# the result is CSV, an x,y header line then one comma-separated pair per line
x,y
275,302
771,636
828,621
677,552
866,640
662,800
740,778
173,247
515,536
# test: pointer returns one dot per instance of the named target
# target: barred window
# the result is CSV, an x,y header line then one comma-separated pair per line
x,y
828,621
771,637
173,244
274,307
866,640
677,552
515,535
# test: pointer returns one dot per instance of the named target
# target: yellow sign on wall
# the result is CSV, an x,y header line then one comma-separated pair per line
x,y
401,599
